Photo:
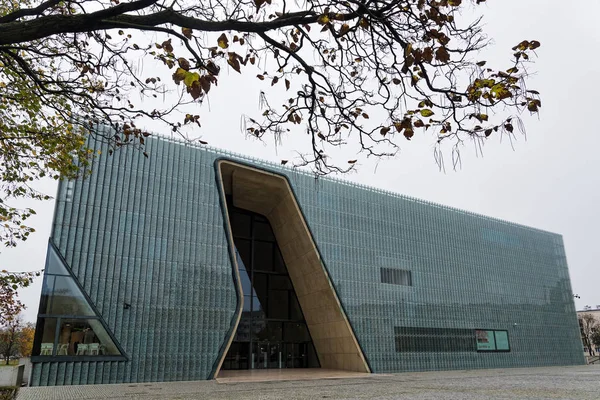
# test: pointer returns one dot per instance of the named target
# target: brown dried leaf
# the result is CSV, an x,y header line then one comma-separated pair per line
x,y
195,90
183,63
205,83
187,32
442,55
222,41
179,75
234,61
166,45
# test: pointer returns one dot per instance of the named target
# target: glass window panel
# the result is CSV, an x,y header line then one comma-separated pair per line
x,y
240,225
237,356
259,327
76,336
384,275
67,299
278,264
278,304
246,284
243,331
247,303
107,346
48,328
55,265
260,285
263,256
243,249
502,343
46,296
257,304
240,262
279,282
426,339
268,306
295,332
485,340
396,276
263,231
269,331
84,337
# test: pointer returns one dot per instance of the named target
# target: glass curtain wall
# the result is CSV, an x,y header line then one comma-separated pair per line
x,y
67,325
272,332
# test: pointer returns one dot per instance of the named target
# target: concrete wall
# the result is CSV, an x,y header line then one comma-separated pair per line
x,y
9,376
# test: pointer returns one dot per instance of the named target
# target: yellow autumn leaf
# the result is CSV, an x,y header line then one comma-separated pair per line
x,y
222,41
323,19
190,78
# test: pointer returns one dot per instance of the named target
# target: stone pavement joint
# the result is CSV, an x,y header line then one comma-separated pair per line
x,y
573,383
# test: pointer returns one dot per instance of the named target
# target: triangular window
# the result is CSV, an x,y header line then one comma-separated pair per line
x,y
68,326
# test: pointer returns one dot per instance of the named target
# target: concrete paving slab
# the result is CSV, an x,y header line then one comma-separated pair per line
x,y
292,374
572,383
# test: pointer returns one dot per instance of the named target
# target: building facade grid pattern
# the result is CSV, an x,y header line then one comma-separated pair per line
x,y
150,232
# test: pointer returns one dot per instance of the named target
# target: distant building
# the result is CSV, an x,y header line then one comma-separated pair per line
x,y
594,312
193,260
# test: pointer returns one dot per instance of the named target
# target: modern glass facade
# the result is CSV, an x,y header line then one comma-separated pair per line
x,y
68,327
423,286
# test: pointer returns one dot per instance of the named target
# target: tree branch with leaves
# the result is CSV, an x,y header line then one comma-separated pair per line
x,y
10,283
367,74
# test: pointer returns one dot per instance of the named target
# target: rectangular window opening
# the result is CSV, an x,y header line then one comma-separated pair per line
x,y
396,276
492,340
422,339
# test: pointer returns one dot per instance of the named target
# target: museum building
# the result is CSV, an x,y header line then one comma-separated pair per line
x,y
194,261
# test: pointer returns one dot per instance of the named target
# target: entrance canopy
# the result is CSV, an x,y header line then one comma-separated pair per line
x,y
270,195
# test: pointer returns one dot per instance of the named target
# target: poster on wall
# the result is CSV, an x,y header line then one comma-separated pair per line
x,y
485,340
502,341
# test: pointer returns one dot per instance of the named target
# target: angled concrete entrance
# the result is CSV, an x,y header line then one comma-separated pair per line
x,y
272,332
270,195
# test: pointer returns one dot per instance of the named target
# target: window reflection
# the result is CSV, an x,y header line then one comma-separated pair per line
x,y
76,337
246,284
263,256
67,324
67,299
47,327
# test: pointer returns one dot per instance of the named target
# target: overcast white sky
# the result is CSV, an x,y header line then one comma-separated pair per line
x,y
549,181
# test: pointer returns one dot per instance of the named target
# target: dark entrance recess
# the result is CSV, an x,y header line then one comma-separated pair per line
x,y
272,332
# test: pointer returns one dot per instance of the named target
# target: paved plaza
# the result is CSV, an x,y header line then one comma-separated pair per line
x,y
577,383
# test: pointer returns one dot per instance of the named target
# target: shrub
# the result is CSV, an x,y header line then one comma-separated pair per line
x,y
8,392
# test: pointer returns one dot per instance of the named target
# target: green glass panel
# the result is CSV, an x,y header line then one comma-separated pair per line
x,y
485,340
502,343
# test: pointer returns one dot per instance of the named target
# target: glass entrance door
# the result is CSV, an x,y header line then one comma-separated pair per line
x,y
275,355
272,332
296,355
